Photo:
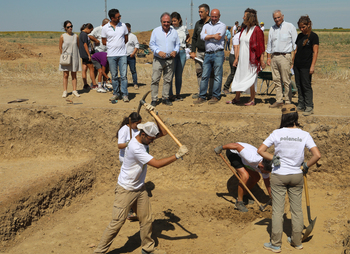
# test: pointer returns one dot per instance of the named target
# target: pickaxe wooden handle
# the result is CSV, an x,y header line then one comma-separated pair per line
x,y
245,186
163,125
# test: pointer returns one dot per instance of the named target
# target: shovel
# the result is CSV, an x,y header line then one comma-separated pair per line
x,y
312,222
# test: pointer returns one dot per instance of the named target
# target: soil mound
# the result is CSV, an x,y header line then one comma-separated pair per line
x,y
13,51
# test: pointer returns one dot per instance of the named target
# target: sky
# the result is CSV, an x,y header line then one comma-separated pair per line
x,y
49,15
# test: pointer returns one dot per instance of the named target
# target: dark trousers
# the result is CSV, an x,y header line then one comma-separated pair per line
x,y
303,82
229,80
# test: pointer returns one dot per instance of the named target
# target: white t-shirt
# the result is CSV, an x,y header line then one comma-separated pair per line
x,y
182,32
133,171
97,34
235,42
123,137
289,146
250,158
132,44
115,38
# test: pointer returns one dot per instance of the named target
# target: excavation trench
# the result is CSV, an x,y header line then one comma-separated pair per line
x,y
49,159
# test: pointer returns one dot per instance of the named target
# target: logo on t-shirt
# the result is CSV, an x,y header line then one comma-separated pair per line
x,y
291,139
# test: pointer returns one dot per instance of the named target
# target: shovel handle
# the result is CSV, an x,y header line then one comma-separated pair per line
x,y
240,180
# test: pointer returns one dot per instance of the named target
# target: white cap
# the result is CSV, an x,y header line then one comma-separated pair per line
x,y
150,128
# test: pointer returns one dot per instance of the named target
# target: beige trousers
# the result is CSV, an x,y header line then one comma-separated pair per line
x,y
165,66
280,184
123,201
280,67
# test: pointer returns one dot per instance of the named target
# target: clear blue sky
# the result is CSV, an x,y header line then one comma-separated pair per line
x,y
49,15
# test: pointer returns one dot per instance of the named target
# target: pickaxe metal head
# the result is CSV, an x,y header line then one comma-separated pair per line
x,y
142,101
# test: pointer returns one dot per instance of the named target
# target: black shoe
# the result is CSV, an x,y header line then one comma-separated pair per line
x,y
154,103
86,87
167,102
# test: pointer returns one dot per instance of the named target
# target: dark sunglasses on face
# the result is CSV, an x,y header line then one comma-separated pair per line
x,y
69,26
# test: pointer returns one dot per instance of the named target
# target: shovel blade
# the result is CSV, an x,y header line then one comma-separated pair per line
x,y
309,229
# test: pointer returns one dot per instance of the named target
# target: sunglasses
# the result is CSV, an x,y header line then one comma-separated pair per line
x,y
69,26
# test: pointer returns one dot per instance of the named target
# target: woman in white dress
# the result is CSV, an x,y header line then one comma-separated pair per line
x,y
69,42
250,59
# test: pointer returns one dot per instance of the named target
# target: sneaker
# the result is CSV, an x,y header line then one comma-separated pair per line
x,y
247,200
136,87
76,93
298,247
199,101
125,98
86,87
178,98
94,87
241,207
154,103
195,96
101,90
276,105
213,100
308,111
155,251
113,98
64,95
300,109
109,85
269,246
167,102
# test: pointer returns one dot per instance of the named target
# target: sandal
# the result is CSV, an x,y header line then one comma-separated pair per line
x,y
233,102
252,103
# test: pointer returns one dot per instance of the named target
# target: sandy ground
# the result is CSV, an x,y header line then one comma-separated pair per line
x,y
59,166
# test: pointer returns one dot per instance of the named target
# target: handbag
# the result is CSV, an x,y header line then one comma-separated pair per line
x,y
65,59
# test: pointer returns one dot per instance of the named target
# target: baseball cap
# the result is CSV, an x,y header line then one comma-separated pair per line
x,y
289,108
150,128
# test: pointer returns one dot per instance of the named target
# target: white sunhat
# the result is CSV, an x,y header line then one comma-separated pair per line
x,y
150,128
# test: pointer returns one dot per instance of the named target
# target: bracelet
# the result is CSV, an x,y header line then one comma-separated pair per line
x,y
109,79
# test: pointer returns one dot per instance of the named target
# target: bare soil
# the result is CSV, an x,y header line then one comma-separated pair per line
x,y
59,166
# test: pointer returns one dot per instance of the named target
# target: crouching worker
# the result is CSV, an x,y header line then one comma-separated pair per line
x,y
131,189
99,60
248,163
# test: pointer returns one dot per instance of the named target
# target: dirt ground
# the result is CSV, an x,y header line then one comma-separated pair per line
x,y
59,165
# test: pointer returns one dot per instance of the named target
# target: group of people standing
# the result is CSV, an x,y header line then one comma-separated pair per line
x,y
285,51
108,47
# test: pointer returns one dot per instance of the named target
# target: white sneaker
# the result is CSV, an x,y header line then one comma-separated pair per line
x,y
101,90
64,95
76,93
109,85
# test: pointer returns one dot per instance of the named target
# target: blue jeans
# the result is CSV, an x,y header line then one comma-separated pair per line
x,y
132,65
179,64
120,62
212,62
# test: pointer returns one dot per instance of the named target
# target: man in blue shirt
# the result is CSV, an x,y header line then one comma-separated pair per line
x,y
213,33
165,44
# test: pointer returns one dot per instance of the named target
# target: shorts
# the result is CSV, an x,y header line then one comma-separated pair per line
x,y
234,159
96,64
86,61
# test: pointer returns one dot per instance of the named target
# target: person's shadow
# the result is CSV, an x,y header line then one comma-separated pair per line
x,y
287,226
158,227
232,188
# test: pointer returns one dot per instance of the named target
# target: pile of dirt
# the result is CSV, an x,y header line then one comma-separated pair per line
x,y
13,51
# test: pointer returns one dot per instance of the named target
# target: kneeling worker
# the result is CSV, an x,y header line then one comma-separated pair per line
x,y
248,163
131,189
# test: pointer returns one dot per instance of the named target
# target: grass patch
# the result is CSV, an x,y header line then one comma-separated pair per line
x,y
32,37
